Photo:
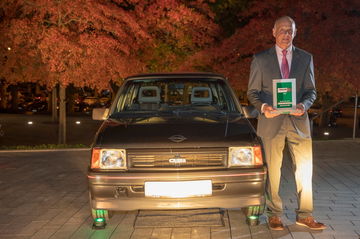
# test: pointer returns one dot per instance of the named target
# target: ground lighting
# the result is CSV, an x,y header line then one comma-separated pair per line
x,y
99,223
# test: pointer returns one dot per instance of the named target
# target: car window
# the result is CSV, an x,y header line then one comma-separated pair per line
x,y
175,94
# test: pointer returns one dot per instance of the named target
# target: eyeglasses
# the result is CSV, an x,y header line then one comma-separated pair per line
x,y
283,31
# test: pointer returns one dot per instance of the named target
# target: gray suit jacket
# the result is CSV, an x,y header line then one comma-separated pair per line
x,y
265,68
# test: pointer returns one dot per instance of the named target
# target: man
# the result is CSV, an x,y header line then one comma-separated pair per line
x,y
284,61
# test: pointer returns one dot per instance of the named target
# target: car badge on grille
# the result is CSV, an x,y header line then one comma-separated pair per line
x,y
177,160
177,138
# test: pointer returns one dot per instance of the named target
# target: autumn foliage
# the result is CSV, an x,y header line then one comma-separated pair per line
x,y
327,29
92,43
89,43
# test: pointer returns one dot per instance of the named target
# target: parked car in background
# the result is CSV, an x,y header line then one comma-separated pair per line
x,y
175,141
336,111
316,112
33,104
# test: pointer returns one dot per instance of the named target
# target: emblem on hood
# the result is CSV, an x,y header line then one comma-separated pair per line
x,y
177,138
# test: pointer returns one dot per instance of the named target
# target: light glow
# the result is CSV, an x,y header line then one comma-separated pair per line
x,y
30,122
258,155
99,220
326,133
178,189
245,156
77,122
9,48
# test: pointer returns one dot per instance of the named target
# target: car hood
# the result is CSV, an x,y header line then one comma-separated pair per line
x,y
175,132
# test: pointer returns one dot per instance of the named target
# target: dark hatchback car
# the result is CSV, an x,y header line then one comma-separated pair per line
x,y
175,141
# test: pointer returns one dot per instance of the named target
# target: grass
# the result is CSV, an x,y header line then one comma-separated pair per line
x,y
43,146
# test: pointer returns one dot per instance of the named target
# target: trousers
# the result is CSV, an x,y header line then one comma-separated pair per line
x,y
300,149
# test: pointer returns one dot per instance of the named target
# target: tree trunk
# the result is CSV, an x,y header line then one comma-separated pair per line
x,y
49,102
14,98
355,115
70,97
62,115
326,102
54,112
3,96
37,89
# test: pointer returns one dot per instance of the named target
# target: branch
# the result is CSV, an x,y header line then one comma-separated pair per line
x,y
71,20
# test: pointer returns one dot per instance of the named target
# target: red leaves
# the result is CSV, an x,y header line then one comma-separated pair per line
x,y
93,42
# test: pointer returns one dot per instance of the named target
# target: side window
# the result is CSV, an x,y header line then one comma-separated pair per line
x,y
220,97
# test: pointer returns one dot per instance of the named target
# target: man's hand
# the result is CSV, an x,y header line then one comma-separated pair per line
x,y
269,111
300,110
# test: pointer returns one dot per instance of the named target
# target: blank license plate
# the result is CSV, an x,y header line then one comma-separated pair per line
x,y
178,189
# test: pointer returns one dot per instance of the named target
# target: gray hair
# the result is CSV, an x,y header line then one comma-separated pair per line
x,y
284,18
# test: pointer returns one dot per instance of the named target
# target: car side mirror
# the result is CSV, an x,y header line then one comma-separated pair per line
x,y
250,111
100,113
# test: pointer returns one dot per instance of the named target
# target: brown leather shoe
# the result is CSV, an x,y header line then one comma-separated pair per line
x,y
310,223
275,223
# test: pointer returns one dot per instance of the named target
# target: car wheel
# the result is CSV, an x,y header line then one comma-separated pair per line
x,y
101,213
100,217
252,214
252,220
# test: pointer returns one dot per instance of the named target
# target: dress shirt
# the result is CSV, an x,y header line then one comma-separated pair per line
x,y
280,55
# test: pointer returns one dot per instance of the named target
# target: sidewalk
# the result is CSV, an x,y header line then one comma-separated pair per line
x,y
17,130
44,195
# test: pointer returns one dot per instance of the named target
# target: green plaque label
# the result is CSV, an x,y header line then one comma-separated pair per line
x,y
284,95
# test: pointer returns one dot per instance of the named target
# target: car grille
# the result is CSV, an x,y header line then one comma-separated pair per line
x,y
177,158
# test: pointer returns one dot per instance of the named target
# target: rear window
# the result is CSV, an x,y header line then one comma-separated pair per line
x,y
169,94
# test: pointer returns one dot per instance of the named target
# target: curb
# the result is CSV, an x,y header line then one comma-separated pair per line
x,y
356,140
44,150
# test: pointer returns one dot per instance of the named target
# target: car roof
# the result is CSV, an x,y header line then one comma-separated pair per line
x,y
176,75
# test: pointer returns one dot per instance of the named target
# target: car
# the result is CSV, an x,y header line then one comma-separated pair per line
x,y
175,141
336,112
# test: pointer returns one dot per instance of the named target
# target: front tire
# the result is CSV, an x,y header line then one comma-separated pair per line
x,y
101,213
252,220
252,214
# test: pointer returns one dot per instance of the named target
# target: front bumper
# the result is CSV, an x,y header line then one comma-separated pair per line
x,y
231,188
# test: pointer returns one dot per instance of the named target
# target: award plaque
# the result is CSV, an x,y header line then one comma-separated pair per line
x,y
284,96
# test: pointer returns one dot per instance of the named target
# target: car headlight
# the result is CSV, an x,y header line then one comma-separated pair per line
x,y
108,159
245,156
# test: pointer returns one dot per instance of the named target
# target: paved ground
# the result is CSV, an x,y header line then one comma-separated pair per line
x,y
44,195
17,130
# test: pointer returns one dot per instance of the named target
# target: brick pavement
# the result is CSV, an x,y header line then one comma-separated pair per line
x,y
44,195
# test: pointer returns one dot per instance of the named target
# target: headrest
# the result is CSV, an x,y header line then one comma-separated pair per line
x,y
149,94
201,94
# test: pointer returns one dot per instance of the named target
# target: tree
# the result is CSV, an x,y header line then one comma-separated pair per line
x,y
89,43
92,43
327,29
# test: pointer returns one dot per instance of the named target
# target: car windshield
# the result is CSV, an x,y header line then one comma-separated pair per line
x,y
175,95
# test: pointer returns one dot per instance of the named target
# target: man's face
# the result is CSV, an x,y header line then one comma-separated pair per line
x,y
284,33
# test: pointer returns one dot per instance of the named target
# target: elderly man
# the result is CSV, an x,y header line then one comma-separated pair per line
x,y
284,61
